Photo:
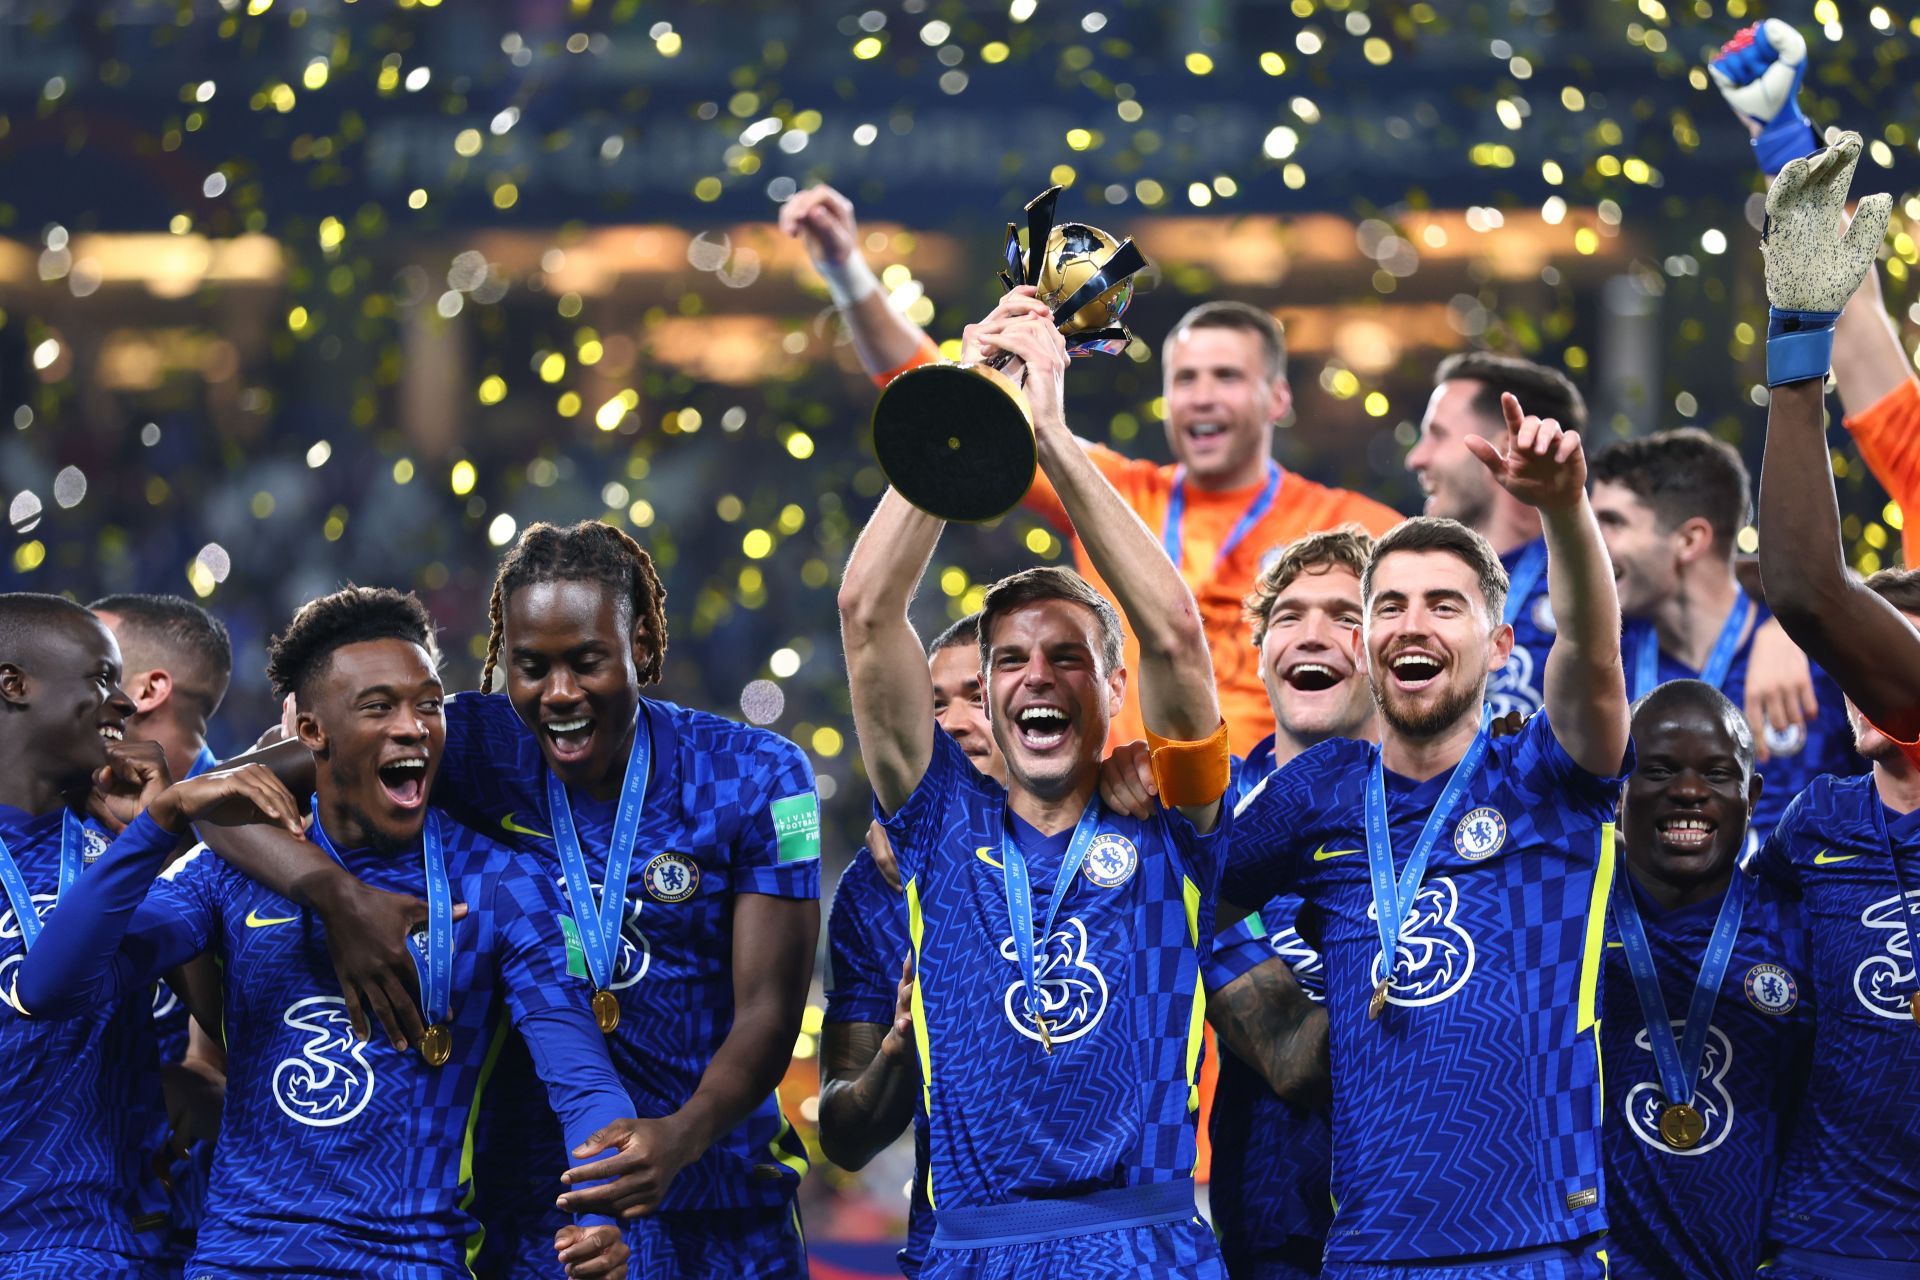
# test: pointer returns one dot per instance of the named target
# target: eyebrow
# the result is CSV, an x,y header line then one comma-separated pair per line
x,y
1433,595
391,691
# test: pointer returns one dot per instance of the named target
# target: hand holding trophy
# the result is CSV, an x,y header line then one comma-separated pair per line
x,y
957,439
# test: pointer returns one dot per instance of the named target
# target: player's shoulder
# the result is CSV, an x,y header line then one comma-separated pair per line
x,y
862,892
469,847
1307,775
1332,506
1830,806
482,712
702,735
203,868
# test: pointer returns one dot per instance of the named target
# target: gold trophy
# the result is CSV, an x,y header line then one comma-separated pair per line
x,y
957,439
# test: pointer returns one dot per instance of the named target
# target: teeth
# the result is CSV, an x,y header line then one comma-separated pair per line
x,y
1406,660
1686,824
411,762
568,726
1035,716
1206,430
112,734
1312,669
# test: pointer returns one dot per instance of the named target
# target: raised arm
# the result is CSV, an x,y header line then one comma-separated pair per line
x,y
886,670
822,219
1812,269
1585,686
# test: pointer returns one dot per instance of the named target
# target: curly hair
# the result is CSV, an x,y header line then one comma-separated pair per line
x,y
350,615
590,551
1346,547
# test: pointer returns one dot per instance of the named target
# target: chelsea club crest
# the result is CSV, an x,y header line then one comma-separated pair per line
x,y
1771,989
96,845
1480,834
671,877
1111,860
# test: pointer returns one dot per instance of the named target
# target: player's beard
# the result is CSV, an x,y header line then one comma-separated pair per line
x,y
1436,718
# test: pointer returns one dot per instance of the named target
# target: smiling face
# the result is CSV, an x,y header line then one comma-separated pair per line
x,y
1310,662
959,706
372,719
1221,405
1646,558
1456,483
1430,641
572,675
1685,810
70,685
1049,701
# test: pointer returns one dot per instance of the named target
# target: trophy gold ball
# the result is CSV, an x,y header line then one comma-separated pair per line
x,y
957,440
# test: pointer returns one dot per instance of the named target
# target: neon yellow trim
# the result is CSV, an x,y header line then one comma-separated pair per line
x,y
796,1163
1596,931
1606,1266
1197,1021
916,931
479,1236
1599,1069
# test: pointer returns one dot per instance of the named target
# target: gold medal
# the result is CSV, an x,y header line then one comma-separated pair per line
x,y
437,1045
1681,1127
1378,1004
606,1011
1046,1041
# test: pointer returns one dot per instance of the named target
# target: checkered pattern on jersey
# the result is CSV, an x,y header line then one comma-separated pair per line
x,y
1799,755
1109,1106
1183,1249
1675,1215
79,1094
1468,1117
343,1159
708,822
1850,1180
866,943
1582,1264
1272,1160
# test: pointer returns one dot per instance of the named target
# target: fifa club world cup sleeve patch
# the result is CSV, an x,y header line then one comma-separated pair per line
x,y
796,824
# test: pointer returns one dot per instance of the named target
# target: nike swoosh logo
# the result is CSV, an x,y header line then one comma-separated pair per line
x,y
1825,858
257,921
986,855
1324,854
508,824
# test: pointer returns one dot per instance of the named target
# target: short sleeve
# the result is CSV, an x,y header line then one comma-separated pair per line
x,y
1260,860
777,847
1772,861
865,945
1540,764
915,828
1888,433
1237,950
1202,855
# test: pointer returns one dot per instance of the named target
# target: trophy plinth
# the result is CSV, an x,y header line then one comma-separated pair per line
x,y
957,440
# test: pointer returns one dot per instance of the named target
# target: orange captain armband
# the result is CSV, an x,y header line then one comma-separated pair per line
x,y
1191,773
927,354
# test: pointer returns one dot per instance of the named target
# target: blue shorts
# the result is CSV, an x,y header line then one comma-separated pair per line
x,y
39,1264
678,1244
1585,1261
1796,1264
1184,1249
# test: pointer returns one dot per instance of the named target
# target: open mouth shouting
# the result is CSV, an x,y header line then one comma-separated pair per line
x,y
404,779
571,739
1042,728
1312,677
1415,669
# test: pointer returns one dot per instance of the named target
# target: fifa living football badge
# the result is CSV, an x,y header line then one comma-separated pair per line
x,y
671,877
1480,834
1111,860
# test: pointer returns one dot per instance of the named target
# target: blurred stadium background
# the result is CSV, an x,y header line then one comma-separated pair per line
x,y
294,292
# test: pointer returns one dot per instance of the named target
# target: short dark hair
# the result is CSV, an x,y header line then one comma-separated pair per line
x,y
351,615
588,551
1343,548
1051,582
177,634
1681,474
1541,391
1437,533
1898,587
1701,695
964,632
24,615
1227,314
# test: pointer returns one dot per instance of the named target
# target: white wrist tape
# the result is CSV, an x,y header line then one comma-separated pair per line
x,y
850,281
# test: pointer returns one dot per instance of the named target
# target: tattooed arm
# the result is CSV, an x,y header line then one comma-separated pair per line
x,y
1270,1023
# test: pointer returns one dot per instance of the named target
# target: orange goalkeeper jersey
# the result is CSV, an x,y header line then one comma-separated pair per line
x,y
1888,434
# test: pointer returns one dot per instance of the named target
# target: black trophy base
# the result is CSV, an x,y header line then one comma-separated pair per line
x,y
956,441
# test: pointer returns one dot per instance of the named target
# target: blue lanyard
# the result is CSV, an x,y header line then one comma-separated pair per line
x,y
1646,662
1020,897
21,897
1679,1064
1391,897
1524,578
1909,911
600,921
436,976
1174,540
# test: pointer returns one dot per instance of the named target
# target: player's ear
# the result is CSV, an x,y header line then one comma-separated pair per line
x,y
148,689
1501,647
307,728
1754,787
13,685
1281,392
1693,539
1116,690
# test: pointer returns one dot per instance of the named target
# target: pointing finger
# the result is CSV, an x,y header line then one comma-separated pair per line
x,y
1510,409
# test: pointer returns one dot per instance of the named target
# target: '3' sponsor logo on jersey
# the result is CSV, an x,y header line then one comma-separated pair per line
x,y
330,1081
1073,991
1884,981
1435,955
1646,1100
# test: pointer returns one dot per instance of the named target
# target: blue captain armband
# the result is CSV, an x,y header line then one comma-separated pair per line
x,y
1799,345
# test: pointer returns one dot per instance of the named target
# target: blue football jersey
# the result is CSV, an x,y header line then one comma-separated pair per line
x,y
343,1159
1467,1117
1516,685
729,809
866,944
1119,977
1272,1159
1850,1180
1799,755
80,1095
1700,1214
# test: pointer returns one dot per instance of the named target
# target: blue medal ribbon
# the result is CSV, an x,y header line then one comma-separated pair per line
x,y
21,897
1678,1063
1019,888
1909,911
599,920
436,975
1392,897
1174,540
1646,661
1524,578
